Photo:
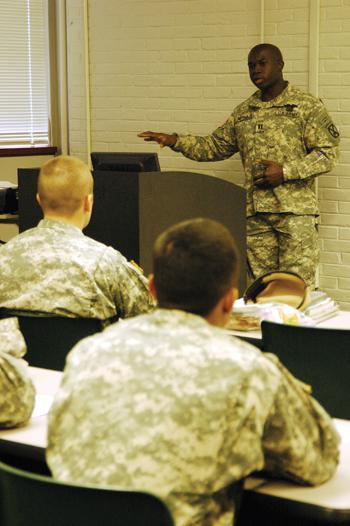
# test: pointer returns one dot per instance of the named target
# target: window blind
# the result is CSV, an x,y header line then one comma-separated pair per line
x,y
24,101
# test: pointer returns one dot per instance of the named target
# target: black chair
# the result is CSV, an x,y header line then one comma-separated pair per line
x,y
50,338
318,357
30,499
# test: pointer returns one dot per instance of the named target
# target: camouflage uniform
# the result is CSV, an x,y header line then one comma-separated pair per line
x,y
168,403
16,389
55,268
295,130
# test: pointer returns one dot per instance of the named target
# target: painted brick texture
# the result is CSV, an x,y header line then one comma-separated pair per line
x,y
334,84
169,66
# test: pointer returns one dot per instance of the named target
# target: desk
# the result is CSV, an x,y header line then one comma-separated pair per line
x,y
327,504
331,498
340,321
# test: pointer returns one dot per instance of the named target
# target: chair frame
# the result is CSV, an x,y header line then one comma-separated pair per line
x,y
317,356
49,338
29,498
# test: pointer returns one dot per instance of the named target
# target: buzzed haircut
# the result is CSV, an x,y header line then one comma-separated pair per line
x,y
195,263
275,51
63,183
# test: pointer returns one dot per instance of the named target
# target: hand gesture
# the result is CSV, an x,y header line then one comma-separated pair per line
x,y
269,174
163,139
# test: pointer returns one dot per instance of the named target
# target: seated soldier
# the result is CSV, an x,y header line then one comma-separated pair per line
x,y
16,389
54,268
170,403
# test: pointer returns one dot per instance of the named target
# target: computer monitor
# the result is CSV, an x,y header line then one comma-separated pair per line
x,y
125,162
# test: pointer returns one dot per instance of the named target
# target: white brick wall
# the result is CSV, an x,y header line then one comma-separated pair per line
x,y
172,66
180,65
335,189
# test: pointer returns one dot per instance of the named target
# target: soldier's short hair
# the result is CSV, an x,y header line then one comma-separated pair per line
x,y
195,263
63,183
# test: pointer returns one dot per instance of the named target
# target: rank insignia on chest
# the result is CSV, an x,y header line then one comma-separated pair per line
x,y
259,127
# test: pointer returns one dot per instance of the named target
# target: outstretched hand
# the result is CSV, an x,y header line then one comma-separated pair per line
x,y
270,175
163,139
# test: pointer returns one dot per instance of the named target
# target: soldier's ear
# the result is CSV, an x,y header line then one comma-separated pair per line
x,y
229,299
88,202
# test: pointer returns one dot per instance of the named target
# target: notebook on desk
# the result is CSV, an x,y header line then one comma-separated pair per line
x,y
42,405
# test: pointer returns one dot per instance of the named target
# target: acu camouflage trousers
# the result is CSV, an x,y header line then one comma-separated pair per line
x,y
285,242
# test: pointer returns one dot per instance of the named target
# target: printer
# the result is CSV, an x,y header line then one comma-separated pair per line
x,y
8,198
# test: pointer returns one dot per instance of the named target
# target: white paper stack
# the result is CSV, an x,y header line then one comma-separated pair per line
x,y
321,306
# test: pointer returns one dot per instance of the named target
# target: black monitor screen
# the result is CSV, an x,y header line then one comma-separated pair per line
x,y
125,162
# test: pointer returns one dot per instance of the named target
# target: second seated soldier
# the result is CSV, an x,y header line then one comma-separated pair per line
x,y
169,403
17,394
54,268
285,138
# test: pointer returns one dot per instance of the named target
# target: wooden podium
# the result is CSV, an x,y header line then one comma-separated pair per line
x,y
131,209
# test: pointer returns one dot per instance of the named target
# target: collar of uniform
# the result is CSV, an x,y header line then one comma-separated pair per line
x,y
179,317
59,226
286,96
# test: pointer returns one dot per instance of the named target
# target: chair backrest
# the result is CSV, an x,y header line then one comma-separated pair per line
x,y
50,338
318,357
30,499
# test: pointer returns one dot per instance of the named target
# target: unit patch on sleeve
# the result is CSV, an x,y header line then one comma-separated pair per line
x,y
333,130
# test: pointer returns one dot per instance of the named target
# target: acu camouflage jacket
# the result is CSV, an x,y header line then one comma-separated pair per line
x,y
294,129
54,268
16,389
167,403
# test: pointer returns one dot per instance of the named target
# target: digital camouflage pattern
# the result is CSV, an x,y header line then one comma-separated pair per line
x,y
12,340
54,268
167,403
286,242
293,129
17,393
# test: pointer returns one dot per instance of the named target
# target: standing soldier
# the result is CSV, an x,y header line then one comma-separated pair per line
x,y
285,138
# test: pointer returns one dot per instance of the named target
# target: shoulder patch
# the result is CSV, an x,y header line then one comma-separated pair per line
x,y
333,131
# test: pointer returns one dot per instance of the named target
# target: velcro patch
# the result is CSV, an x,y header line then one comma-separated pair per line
x,y
333,131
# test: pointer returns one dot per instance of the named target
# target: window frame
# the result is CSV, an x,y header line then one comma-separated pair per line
x,y
54,132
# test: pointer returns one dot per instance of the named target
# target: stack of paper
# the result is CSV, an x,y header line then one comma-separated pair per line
x,y
321,306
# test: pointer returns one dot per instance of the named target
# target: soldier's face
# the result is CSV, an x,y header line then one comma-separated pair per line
x,y
264,69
